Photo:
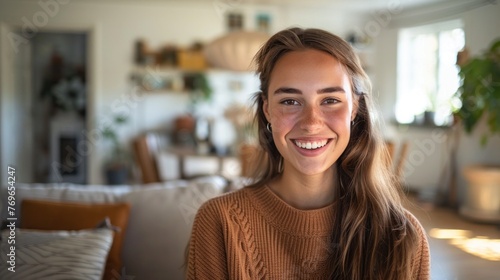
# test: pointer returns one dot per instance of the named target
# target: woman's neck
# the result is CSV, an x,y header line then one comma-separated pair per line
x,y
306,192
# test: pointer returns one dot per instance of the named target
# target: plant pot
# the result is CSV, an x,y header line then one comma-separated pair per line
x,y
429,118
482,198
116,176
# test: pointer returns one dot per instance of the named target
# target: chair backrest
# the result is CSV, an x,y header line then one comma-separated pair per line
x,y
401,160
396,158
144,148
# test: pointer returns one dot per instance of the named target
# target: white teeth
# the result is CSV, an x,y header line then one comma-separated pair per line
x,y
311,145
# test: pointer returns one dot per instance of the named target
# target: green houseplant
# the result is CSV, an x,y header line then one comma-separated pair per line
x,y
117,164
479,93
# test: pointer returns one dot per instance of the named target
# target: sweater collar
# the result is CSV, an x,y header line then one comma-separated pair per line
x,y
317,222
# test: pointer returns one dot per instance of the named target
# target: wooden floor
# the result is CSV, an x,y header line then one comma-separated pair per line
x,y
460,248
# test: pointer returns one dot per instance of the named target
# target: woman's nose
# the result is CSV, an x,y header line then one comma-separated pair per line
x,y
311,118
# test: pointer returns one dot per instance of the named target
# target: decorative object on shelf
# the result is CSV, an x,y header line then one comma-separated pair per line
x,y
143,55
140,52
184,128
187,58
169,56
117,165
479,94
197,85
235,50
192,58
234,21
263,22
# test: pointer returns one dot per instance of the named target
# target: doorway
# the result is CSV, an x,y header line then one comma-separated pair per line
x,y
44,104
59,106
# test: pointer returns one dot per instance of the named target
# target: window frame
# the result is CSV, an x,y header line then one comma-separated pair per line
x,y
404,49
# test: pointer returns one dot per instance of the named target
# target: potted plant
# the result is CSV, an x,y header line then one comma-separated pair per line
x,y
479,94
117,165
430,111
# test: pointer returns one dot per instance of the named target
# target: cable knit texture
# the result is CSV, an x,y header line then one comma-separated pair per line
x,y
253,234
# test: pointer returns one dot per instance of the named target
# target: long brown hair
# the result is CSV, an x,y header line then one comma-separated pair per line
x,y
374,237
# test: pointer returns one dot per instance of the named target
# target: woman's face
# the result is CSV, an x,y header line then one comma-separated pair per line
x,y
310,108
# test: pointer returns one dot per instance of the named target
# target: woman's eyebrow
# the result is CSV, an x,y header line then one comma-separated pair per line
x,y
287,90
298,91
331,90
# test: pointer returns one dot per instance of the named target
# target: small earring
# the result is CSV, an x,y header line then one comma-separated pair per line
x,y
280,165
268,127
352,123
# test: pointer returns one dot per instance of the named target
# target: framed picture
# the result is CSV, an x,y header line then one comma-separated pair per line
x,y
263,22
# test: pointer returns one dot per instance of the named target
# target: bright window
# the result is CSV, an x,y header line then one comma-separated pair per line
x,y
427,72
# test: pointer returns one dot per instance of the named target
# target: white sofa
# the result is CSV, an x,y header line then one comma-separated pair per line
x,y
160,220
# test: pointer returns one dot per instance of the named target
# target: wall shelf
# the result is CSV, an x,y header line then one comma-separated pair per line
x,y
156,79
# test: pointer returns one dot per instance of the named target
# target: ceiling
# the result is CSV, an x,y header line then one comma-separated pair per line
x,y
415,7
366,5
351,5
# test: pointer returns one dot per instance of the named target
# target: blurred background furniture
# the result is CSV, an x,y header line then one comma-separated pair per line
x,y
144,147
159,163
397,156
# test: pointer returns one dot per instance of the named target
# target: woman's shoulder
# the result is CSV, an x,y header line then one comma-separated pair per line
x,y
415,222
423,243
226,201
421,260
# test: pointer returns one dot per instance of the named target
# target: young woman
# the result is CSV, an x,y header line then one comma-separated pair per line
x,y
325,206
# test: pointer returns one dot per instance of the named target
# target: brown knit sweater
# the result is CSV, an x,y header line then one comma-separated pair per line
x,y
253,234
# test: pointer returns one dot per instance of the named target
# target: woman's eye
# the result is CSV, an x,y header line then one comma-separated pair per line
x,y
331,101
289,102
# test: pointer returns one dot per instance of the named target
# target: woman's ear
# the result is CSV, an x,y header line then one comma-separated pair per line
x,y
265,109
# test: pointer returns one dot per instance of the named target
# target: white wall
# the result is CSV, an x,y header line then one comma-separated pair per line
x,y
15,148
429,156
116,26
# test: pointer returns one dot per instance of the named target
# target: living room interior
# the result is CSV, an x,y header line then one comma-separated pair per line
x,y
164,88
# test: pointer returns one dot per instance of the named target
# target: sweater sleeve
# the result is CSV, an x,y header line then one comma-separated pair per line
x,y
206,253
421,261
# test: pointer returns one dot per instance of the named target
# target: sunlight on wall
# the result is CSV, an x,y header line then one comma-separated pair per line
x,y
480,246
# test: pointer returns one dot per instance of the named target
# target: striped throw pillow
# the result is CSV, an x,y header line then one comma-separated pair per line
x,y
42,254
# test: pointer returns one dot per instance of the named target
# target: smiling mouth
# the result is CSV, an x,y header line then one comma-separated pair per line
x,y
310,145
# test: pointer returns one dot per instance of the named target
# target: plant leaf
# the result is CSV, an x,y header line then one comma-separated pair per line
x,y
121,119
479,91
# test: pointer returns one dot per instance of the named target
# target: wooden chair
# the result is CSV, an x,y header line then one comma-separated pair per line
x,y
144,147
401,160
396,158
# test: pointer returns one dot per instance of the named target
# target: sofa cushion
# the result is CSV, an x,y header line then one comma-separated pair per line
x,y
162,217
50,215
61,192
56,254
160,220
